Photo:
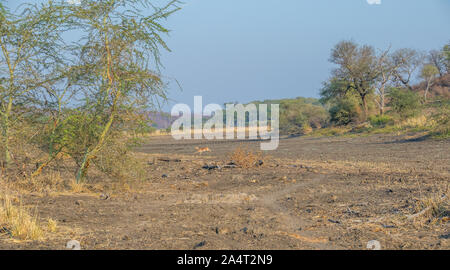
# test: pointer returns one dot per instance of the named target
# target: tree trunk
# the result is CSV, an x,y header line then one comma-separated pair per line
x,y
83,168
426,91
382,107
5,133
365,109
39,168
382,101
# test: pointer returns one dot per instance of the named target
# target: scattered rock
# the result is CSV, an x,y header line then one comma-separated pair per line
x,y
373,245
104,196
73,245
221,230
332,199
169,159
201,244
352,212
211,167
230,165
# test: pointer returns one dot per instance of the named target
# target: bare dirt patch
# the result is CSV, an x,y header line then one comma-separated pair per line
x,y
311,193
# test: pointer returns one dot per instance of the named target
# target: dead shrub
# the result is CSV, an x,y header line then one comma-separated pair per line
x,y
118,161
245,158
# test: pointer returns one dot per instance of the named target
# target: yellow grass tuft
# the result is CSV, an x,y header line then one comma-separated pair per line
x,y
16,221
77,187
52,225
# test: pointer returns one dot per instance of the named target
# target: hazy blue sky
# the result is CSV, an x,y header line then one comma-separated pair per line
x,y
243,50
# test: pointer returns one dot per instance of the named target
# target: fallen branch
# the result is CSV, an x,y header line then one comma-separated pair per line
x,y
169,159
410,217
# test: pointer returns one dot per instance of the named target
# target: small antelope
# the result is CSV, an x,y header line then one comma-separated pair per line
x,y
202,149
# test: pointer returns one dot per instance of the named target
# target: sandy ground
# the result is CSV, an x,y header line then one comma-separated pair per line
x,y
311,193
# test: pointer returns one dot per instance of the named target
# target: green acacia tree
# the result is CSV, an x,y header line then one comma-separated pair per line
x,y
2,10
29,52
119,56
446,52
429,72
357,70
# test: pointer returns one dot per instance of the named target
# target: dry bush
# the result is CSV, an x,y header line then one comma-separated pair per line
x,y
306,129
118,161
416,122
49,182
17,222
245,158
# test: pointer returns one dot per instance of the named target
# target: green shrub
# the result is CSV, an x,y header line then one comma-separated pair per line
x,y
345,110
404,102
442,118
299,117
381,120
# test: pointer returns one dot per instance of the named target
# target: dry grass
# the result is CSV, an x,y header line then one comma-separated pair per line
x,y
246,158
77,187
433,207
331,131
52,225
44,183
17,222
416,122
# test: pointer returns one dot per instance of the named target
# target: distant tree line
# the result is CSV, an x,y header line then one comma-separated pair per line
x,y
365,80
